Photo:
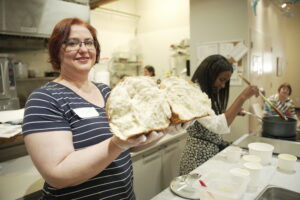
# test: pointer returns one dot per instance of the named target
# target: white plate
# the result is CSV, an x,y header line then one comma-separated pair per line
x,y
183,186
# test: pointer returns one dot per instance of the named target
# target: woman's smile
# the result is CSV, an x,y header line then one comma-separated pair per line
x,y
83,59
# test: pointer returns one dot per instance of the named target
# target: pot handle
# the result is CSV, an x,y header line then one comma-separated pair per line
x,y
252,114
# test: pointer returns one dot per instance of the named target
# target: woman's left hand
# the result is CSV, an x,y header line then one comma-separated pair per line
x,y
241,112
152,138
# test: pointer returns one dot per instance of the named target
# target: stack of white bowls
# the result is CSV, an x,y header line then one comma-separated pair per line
x,y
260,154
262,150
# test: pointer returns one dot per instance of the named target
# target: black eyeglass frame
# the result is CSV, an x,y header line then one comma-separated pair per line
x,y
95,43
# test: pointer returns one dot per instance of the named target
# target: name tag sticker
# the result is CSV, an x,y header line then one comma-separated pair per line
x,y
86,112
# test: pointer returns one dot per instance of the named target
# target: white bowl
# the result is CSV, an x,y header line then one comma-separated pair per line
x,y
287,162
233,153
253,166
262,150
239,172
255,170
251,158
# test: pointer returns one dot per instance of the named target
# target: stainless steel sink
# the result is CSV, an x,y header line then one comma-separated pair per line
x,y
277,193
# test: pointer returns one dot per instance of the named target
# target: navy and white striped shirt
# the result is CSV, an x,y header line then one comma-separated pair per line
x,y
51,108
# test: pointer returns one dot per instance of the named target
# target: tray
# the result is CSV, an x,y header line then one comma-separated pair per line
x,y
183,186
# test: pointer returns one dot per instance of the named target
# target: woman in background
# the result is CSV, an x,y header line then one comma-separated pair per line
x,y
282,101
204,139
149,70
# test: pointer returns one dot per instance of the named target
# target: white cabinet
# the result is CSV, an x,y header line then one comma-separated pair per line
x,y
153,170
147,175
170,161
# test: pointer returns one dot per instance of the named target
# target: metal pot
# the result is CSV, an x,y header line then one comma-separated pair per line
x,y
275,126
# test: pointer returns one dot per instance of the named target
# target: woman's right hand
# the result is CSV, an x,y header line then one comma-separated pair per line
x,y
237,105
250,91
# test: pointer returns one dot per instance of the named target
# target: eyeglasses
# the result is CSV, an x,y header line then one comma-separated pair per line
x,y
74,44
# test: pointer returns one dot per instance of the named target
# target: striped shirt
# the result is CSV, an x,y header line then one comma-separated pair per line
x,y
287,107
52,108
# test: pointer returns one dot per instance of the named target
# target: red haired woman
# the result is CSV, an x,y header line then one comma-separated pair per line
x,y
66,129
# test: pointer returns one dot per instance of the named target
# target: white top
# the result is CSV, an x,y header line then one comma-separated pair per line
x,y
215,123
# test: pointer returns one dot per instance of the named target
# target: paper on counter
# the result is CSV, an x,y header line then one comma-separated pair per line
x,y
11,115
8,130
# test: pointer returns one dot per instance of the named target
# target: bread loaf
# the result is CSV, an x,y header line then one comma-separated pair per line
x,y
186,99
137,105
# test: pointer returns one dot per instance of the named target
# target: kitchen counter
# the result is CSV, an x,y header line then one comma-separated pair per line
x,y
19,177
270,176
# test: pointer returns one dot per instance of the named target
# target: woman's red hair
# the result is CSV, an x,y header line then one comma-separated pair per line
x,y
61,33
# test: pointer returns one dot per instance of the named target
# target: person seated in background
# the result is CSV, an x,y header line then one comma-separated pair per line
x,y
149,70
282,101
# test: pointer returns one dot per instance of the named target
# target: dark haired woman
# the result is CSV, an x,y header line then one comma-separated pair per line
x,y
204,140
66,129
149,70
283,102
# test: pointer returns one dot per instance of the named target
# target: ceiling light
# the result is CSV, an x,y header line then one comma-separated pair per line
x,y
287,7
283,5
